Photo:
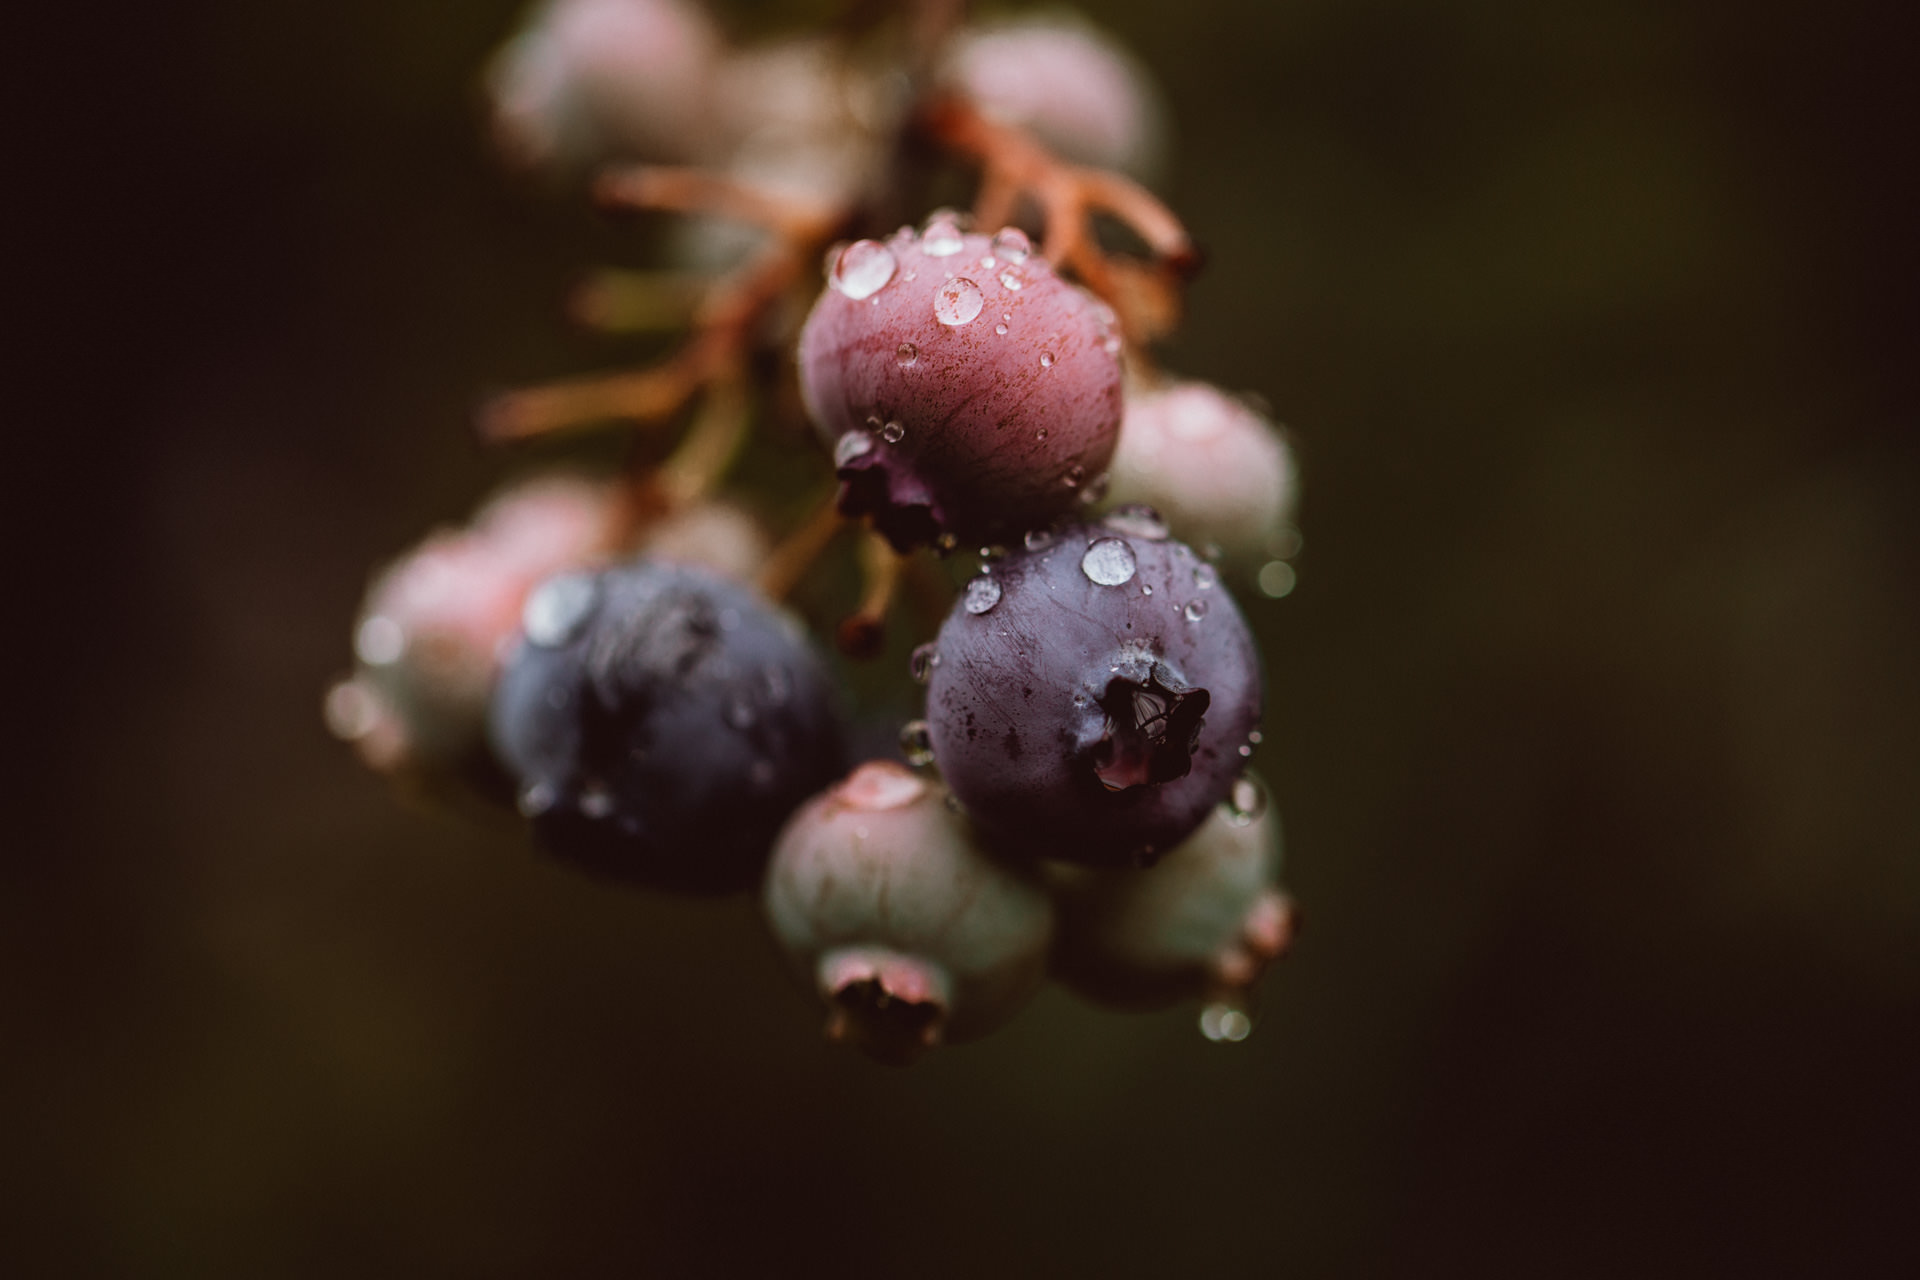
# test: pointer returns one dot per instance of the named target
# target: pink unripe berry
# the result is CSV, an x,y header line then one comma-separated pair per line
x,y
964,388
912,935
1202,923
590,80
1071,84
437,622
1209,463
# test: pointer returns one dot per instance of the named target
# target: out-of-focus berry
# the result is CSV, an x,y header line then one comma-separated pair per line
x,y
1211,464
431,634
964,388
1202,923
1096,693
716,536
1071,84
585,81
911,934
662,723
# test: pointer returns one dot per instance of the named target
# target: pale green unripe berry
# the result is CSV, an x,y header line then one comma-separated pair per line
x,y
1202,923
911,933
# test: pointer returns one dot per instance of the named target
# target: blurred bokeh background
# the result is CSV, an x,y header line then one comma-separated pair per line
x,y
1593,711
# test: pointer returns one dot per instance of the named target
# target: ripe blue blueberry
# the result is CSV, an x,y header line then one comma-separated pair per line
x,y
1096,694
662,724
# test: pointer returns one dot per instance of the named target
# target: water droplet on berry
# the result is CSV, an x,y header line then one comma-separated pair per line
x,y
907,355
893,433
1224,1024
1276,579
1137,520
1001,329
1195,610
1245,802
862,269
942,238
557,609
1245,750
536,800
957,302
380,641
1012,244
925,658
1074,476
1013,278
982,594
1096,489
1146,590
1109,562
1204,576
852,445
916,743
1038,539
1255,737
1041,434
1046,359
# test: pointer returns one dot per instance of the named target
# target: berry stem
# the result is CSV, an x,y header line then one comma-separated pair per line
x,y
710,446
794,556
1012,161
863,632
616,301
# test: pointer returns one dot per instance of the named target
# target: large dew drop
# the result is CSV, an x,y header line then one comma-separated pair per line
x,y
1109,562
957,302
942,238
982,594
557,608
1011,243
863,269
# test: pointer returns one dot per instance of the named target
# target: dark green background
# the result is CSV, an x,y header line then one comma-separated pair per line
x,y
1593,713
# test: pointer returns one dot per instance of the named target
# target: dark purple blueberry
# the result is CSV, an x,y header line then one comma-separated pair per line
x,y
663,723
1096,694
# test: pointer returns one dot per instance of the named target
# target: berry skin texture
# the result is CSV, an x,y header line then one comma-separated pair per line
x,y
1201,924
913,936
964,388
662,723
1215,468
1096,694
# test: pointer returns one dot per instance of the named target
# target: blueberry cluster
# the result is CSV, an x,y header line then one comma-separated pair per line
x,y
630,661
